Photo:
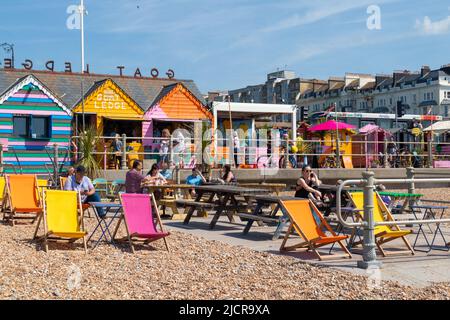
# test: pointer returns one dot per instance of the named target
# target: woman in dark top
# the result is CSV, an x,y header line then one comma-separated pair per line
x,y
227,175
306,183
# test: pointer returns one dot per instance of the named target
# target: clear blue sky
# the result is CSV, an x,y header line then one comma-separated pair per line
x,y
226,44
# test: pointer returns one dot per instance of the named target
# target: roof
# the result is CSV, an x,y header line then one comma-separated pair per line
x,y
67,86
439,127
20,83
369,86
254,107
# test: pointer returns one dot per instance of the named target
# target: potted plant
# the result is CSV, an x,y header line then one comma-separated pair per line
x,y
88,140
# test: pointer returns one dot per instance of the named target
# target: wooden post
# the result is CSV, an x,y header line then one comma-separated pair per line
x,y
1,158
430,154
55,169
124,152
385,151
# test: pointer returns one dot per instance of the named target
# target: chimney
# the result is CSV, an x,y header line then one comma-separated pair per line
x,y
424,70
399,74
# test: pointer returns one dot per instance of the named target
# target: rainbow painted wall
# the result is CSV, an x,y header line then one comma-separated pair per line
x,y
32,99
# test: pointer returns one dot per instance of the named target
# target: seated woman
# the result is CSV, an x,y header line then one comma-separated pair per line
x,y
154,177
306,185
227,175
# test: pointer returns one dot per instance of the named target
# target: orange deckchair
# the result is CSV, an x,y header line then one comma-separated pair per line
x,y
383,234
308,223
22,200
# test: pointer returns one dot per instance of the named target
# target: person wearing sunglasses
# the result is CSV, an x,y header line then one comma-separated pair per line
x,y
306,185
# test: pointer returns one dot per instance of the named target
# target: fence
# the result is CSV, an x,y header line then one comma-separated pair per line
x,y
187,152
368,224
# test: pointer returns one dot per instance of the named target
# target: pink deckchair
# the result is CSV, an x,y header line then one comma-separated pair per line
x,y
138,218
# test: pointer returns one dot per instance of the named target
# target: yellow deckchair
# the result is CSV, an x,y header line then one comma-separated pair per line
x,y
21,198
2,188
383,234
62,182
308,223
61,218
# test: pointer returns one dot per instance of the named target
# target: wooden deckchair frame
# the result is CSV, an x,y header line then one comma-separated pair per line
x,y
10,213
48,236
131,238
379,238
309,244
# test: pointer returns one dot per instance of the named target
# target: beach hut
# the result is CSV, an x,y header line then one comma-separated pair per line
x,y
328,131
175,107
367,144
109,109
32,121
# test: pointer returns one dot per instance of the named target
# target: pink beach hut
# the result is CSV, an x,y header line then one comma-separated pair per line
x,y
367,144
175,107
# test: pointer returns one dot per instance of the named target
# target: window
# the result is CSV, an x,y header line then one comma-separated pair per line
x,y
34,127
21,126
41,127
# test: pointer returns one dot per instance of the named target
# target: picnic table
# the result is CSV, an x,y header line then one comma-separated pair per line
x,y
228,200
273,187
258,215
396,198
170,194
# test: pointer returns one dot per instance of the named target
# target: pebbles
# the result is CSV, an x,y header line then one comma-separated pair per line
x,y
194,269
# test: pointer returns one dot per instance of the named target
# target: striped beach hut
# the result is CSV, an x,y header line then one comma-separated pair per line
x,y
32,121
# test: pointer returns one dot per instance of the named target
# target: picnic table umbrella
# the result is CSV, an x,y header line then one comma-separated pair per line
x,y
332,126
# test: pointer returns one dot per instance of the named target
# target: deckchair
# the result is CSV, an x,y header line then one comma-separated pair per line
x,y
138,219
61,218
62,182
2,188
347,160
22,199
383,234
308,223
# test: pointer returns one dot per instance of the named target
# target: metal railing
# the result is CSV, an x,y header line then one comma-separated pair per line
x,y
265,152
368,223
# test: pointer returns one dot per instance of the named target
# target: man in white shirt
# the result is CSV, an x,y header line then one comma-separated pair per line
x,y
81,183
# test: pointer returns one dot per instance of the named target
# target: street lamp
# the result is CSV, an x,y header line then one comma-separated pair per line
x,y
8,47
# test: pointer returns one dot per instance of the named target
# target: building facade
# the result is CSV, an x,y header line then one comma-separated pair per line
x,y
426,92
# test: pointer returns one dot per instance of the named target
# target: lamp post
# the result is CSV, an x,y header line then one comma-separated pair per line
x,y
9,47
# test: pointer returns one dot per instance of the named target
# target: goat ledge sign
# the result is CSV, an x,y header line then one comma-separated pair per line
x,y
50,66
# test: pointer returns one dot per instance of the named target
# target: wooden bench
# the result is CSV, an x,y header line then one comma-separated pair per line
x,y
200,206
266,219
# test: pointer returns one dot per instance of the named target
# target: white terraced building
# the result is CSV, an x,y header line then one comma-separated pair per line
x,y
425,93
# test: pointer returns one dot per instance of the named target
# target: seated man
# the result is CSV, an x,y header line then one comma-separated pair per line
x,y
195,179
81,183
134,178
166,172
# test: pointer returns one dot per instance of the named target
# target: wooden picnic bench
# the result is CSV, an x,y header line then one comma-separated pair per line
x,y
258,215
227,202
171,193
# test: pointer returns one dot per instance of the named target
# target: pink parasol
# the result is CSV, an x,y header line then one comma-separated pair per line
x,y
331,125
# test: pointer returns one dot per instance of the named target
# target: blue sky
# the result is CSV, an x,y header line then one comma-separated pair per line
x,y
227,44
